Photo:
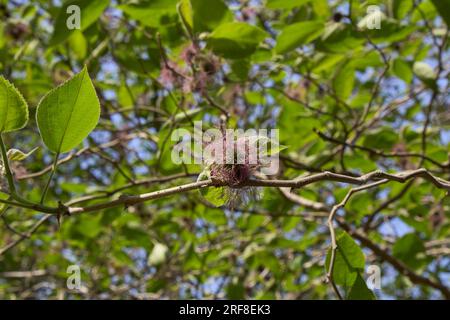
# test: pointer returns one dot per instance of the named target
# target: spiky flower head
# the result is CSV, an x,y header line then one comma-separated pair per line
x,y
231,162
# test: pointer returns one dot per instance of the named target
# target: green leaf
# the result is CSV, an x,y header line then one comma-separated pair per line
x,y
235,289
340,38
235,40
184,9
90,12
321,8
390,32
349,260
208,14
407,249
150,13
78,44
274,149
13,107
136,236
382,138
181,116
17,155
326,62
285,4
425,73
267,146
67,114
360,291
89,227
3,196
298,34
402,69
401,7
443,7
240,68
158,255
344,81
424,70
214,195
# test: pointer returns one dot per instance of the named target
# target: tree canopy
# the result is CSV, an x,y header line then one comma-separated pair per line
x,y
93,92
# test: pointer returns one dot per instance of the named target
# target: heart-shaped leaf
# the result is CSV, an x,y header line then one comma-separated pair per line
x,y
349,261
67,114
13,107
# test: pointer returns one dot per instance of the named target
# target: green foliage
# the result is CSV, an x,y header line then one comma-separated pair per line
x,y
184,8
425,73
150,13
401,7
349,261
298,34
90,11
235,40
402,69
410,249
285,4
348,268
13,107
208,14
442,7
344,81
346,99
359,290
67,114
215,196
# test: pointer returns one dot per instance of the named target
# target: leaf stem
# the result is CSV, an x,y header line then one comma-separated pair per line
x,y
52,173
19,201
9,176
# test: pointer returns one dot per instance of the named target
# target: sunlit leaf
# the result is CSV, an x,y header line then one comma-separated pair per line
x,y
13,107
298,34
67,114
285,4
402,69
344,81
158,255
235,40
17,155
425,73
